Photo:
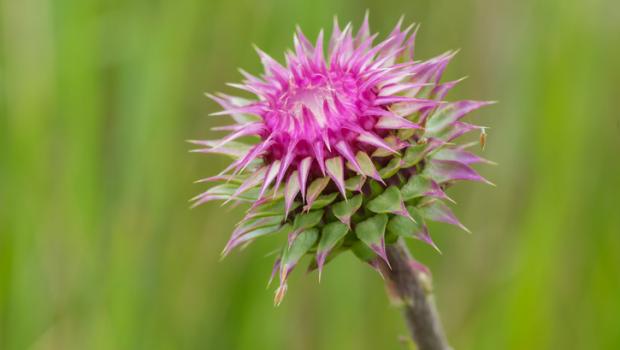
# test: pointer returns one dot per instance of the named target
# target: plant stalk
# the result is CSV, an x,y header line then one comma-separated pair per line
x,y
413,288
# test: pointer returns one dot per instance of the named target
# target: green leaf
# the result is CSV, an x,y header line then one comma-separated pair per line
x,y
330,235
441,119
292,254
402,226
390,201
300,246
227,190
290,192
436,210
371,232
316,188
414,154
416,187
375,188
448,113
355,183
258,222
338,249
405,134
271,208
259,233
308,220
251,234
363,252
223,189
392,141
335,170
366,164
391,168
323,201
345,209
367,255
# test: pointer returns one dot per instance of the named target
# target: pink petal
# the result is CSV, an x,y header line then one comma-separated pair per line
x,y
304,169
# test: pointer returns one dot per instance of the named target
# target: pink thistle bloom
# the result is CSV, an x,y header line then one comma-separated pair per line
x,y
354,149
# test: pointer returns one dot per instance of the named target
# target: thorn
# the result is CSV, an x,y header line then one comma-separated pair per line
x,y
320,262
380,250
483,138
450,200
489,183
280,292
462,227
225,252
404,212
276,265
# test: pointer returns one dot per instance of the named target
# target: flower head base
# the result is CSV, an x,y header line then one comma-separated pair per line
x,y
354,150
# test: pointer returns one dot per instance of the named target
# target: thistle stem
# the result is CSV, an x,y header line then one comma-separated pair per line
x,y
413,287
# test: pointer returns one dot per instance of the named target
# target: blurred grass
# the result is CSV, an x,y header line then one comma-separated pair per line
x,y
99,251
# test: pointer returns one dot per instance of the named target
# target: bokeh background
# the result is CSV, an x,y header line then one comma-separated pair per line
x,y
98,249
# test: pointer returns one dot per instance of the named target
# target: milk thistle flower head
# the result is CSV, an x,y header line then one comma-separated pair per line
x,y
348,151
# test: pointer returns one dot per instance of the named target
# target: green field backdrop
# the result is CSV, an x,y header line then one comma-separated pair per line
x,y
99,250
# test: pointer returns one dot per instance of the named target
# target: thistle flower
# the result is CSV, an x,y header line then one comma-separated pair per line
x,y
352,151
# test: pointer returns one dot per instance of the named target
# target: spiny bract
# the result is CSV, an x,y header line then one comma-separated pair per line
x,y
354,150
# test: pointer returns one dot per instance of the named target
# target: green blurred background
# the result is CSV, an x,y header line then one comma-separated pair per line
x,y
98,249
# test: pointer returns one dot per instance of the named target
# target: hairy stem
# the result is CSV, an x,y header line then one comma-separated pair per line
x,y
413,287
